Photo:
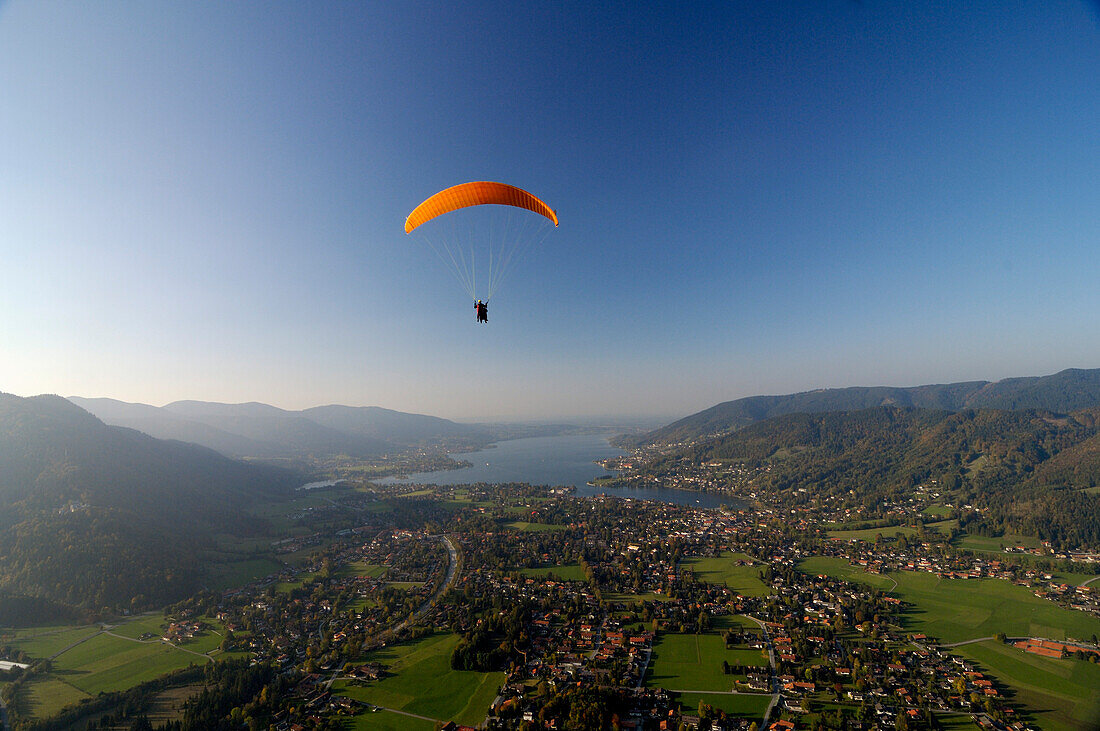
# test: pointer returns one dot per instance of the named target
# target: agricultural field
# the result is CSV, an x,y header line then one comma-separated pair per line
x,y
525,526
1060,694
45,696
566,572
88,660
739,572
234,574
383,720
689,662
742,705
938,511
954,610
45,642
421,681
869,534
105,663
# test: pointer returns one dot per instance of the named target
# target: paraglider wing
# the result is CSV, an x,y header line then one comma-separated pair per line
x,y
476,194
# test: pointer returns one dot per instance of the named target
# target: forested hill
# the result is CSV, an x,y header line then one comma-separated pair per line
x,y
94,515
1062,392
1029,471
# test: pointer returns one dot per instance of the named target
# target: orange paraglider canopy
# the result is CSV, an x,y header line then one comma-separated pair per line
x,y
476,194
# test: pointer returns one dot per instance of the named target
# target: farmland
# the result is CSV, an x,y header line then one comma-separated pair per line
x,y
741,573
954,610
420,681
1061,694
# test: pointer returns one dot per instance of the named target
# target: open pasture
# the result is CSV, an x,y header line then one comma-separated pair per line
x,y
521,525
742,705
383,720
689,662
46,695
105,663
45,642
565,572
1060,694
869,534
954,610
739,572
420,680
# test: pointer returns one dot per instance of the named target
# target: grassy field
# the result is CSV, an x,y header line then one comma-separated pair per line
x,y
938,511
106,663
421,681
239,573
689,662
869,534
958,609
566,572
152,623
43,642
386,721
744,580
738,704
44,697
1060,694
533,527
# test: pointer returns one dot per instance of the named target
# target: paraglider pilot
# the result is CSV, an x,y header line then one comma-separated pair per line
x,y
482,311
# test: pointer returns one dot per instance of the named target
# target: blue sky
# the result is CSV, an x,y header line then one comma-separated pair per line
x,y
205,200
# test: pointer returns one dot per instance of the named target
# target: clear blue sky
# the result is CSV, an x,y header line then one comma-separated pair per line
x,y
205,199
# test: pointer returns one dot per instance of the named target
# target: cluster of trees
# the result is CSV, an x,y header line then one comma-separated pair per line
x,y
489,645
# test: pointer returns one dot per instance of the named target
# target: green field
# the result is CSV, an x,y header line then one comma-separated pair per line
x,y
869,534
566,572
421,681
42,698
938,511
384,720
44,642
741,705
106,663
744,580
152,623
689,662
233,574
533,527
954,610
1060,694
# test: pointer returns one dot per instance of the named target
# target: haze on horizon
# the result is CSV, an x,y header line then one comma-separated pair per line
x,y
205,200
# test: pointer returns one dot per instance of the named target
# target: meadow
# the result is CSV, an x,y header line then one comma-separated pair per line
x,y
88,660
522,525
565,572
420,680
954,610
694,662
743,579
742,705
869,534
1060,694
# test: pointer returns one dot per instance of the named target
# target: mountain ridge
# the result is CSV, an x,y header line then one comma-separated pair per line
x,y
1068,390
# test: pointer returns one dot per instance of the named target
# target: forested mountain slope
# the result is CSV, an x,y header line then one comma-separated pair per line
x,y
101,516
1066,391
1028,471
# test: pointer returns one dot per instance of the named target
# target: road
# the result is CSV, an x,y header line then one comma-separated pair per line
x,y
774,678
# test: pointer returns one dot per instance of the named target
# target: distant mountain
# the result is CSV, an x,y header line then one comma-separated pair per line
x,y
261,430
94,515
1062,392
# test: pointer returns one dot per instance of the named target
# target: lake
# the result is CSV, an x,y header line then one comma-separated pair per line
x,y
564,460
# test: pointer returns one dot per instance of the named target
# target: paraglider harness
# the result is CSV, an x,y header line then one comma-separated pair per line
x,y
482,311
